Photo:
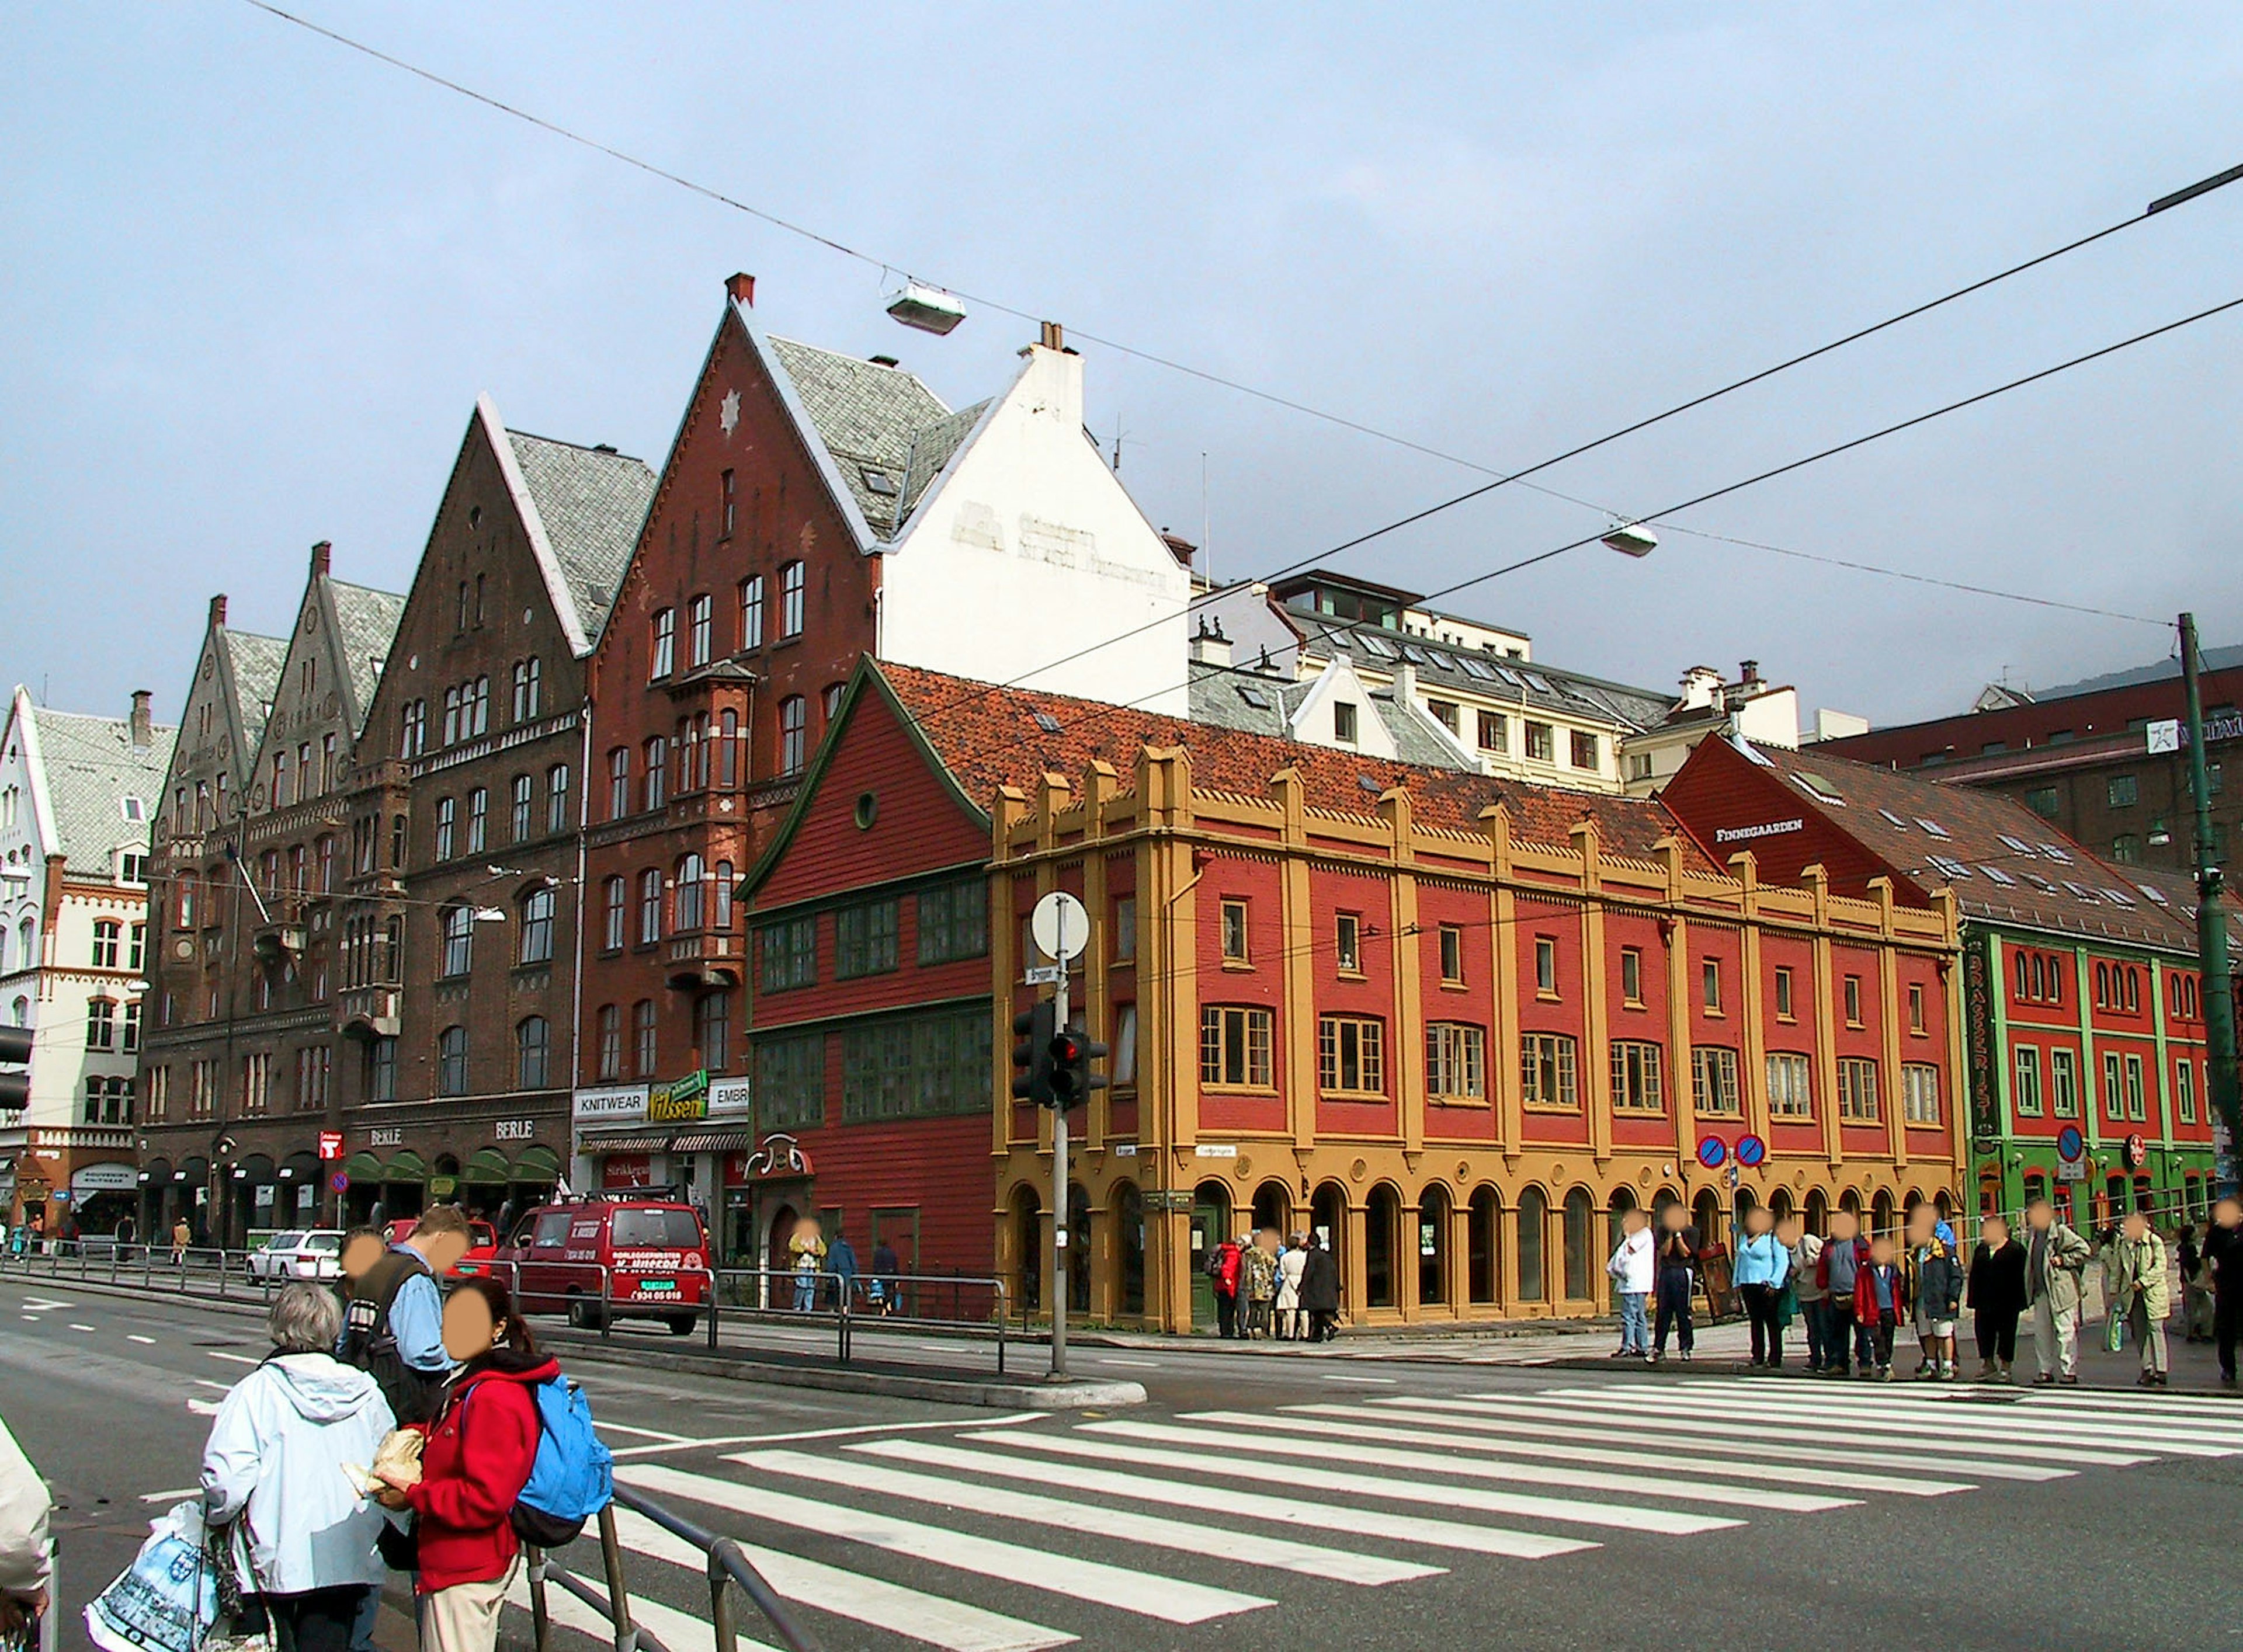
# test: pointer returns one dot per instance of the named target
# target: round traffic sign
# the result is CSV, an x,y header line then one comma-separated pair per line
x,y
338,1183
1060,925
2137,1151
2070,1144
1712,1150
1750,1150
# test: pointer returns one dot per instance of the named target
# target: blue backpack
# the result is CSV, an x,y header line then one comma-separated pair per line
x,y
574,1474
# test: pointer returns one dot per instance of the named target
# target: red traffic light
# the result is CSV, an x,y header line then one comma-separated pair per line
x,y
1066,1050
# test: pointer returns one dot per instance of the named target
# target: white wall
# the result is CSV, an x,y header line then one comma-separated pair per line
x,y
1030,550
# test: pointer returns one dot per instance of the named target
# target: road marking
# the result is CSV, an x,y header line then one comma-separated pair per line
x,y
32,1318
41,1304
1303,1477
1337,1376
171,1496
1113,1359
852,1430
669,1625
1248,1437
205,1382
662,1434
232,1359
131,1336
1172,1600
1155,1531
1245,1505
82,1327
203,1407
953,1625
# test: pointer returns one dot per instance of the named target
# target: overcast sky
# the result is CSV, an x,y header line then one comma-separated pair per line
x,y
253,282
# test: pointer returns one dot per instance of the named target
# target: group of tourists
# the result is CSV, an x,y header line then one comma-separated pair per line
x,y
1857,1295
1266,1287
812,1259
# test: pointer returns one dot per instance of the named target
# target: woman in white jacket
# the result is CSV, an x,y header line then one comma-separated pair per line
x,y
1290,1266
26,1560
275,1460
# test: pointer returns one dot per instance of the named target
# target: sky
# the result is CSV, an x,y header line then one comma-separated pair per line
x,y
254,283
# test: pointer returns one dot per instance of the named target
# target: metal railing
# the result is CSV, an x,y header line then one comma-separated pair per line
x,y
854,1303
223,1274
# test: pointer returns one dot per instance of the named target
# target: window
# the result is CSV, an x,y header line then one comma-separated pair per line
x,y
101,1023
1233,1046
1347,944
657,754
686,895
381,1069
1919,1092
137,952
1638,1082
556,798
478,819
132,1029
1235,943
1853,1000
1857,1090
1631,976
1351,1056
791,576
109,1101
700,629
1545,966
413,739
2042,800
2134,1088
1783,1010
1709,983
452,1062
446,807
2126,850
915,1066
457,926
1453,954
518,818
791,1082
619,792
1444,713
2025,1091
1124,1062
954,922
789,950
280,779
528,689
645,1039
1585,750
1494,731
613,905
1714,1081
474,709
1456,1062
712,1031
830,695
1916,1008
727,505
107,932
1541,742
1546,1076
609,1041
1124,929
2185,1090
537,926
1790,1085
2123,790
751,612
2063,1084
661,644
650,907
865,939
793,727
326,762
1344,722
533,1044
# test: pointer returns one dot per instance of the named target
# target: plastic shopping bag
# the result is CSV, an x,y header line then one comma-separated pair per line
x,y
166,1601
2114,1332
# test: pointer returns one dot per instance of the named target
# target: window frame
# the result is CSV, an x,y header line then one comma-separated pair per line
x,y
1351,1047
1455,1064
1790,1086
1247,1029
1549,1072
1638,1076
1717,1084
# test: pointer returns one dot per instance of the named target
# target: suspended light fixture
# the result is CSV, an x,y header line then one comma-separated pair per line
x,y
1631,539
928,309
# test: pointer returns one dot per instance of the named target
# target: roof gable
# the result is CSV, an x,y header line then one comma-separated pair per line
x,y
581,510
869,417
83,768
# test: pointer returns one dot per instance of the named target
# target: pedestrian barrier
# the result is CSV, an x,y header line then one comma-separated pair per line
x,y
856,1303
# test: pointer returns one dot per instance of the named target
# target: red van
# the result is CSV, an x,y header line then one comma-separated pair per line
x,y
482,1243
651,1243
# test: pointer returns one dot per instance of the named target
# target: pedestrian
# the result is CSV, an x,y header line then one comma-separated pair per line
x,y
1880,1302
2144,1299
1224,1267
2056,1257
1809,1291
1630,1267
805,1249
2223,1262
1320,1290
393,1324
275,1462
1996,1292
476,1459
886,1267
1935,1289
1260,1274
841,1263
1764,1263
1290,1265
2195,1294
1675,1278
182,1236
26,1556
1846,1343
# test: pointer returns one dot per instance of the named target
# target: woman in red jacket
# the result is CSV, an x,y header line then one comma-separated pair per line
x,y
475,1463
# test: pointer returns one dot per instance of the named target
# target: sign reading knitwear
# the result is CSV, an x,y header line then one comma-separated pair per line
x,y
611,1104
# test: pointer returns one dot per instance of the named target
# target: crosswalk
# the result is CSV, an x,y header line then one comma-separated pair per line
x,y
1043,1532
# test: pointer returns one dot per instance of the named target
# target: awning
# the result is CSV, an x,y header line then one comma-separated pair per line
x,y
362,1167
486,1167
300,1168
630,1141
254,1170
537,1165
195,1173
156,1173
714,1141
404,1165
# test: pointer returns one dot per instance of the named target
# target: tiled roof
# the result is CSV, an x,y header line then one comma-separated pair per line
x,y
989,737
932,448
256,662
366,623
91,768
868,416
1228,696
2005,863
1488,677
593,503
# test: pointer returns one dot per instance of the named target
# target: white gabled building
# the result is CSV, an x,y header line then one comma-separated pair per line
x,y
76,794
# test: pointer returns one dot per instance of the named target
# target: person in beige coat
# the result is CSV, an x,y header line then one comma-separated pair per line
x,y
2142,1294
2055,1255
26,1558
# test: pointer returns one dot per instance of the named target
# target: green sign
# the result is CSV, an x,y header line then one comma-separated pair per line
x,y
680,1099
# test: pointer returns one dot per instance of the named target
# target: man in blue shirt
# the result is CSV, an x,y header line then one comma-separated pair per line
x,y
394,1313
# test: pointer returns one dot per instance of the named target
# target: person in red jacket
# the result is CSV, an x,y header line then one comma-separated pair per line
x,y
1881,1302
477,1460
1229,1265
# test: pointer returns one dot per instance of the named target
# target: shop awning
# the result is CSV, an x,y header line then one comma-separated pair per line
x,y
300,1168
630,1141
362,1167
486,1167
254,1170
404,1165
714,1141
195,1173
156,1173
537,1165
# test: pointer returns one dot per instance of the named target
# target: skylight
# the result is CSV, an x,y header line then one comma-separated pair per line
x,y
1537,681
1048,723
1894,818
1378,646
2155,894
1413,654
2040,882
1509,676
1369,782
1474,669
878,481
1445,661
1947,864
1999,877
1815,786
2056,854
2017,843
2081,891
1931,826
2117,897
1255,697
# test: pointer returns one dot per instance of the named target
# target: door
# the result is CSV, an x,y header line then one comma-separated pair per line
x,y
1210,1226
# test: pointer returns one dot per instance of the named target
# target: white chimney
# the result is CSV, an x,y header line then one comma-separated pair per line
x,y
1209,646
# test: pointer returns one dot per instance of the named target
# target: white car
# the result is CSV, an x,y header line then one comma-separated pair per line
x,y
315,1253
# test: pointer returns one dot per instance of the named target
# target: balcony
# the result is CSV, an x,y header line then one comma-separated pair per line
x,y
698,962
369,1013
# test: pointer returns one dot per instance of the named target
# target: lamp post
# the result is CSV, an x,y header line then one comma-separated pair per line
x,y
2211,928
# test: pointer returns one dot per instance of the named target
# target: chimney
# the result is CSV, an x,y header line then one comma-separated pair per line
x,y
741,288
1700,684
143,721
218,610
1055,337
1210,646
1748,671
322,555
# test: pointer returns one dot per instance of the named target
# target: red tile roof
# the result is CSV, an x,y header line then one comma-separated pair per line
x,y
989,737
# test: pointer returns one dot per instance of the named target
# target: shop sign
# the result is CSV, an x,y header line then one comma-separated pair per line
x,y
731,1099
514,1130
626,1170
780,1155
386,1136
331,1144
680,1100
104,1179
442,1187
1978,1045
611,1104
1765,828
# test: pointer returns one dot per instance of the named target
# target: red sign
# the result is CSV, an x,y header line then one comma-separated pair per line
x,y
2138,1152
331,1143
626,1170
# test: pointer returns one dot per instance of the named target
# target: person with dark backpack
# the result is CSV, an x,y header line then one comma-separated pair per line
x,y
393,1311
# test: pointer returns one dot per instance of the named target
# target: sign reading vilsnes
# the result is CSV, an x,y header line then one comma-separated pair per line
x,y
1766,829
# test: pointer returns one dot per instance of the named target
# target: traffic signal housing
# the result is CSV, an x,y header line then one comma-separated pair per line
x,y
1032,1056
14,1051
1072,1079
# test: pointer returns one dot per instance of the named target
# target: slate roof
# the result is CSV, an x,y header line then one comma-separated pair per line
x,y
256,662
366,624
593,503
1228,696
933,447
869,417
989,737
90,767
1476,673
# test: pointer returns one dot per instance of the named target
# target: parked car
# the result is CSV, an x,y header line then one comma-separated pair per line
x,y
483,1244
301,1253
651,1244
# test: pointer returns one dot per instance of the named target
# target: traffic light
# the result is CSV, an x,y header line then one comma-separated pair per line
x,y
14,1051
1032,1056
1072,1080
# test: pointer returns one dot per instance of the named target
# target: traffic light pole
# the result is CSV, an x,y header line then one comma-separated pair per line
x,y
1060,1210
2212,932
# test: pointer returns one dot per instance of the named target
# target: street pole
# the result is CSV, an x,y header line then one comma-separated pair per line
x,y
1060,1211
2211,929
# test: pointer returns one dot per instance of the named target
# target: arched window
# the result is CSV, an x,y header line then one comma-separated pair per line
x,y
457,924
1533,1211
657,770
793,734
537,926
728,750
791,581
687,896
1433,1244
1581,1213
2056,981
649,906
1382,1216
615,912
619,797
698,639
2102,986
2039,976
518,816
447,812
712,1031
720,895
452,1062
101,1023
107,932
27,937
533,1040
1483,1244
2024,977
556,798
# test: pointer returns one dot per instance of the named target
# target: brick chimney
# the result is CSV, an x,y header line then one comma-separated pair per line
x,y
218,610
322,555
741,287
144,719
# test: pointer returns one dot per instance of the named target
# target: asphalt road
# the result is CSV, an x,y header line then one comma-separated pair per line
x,y
1353,1502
